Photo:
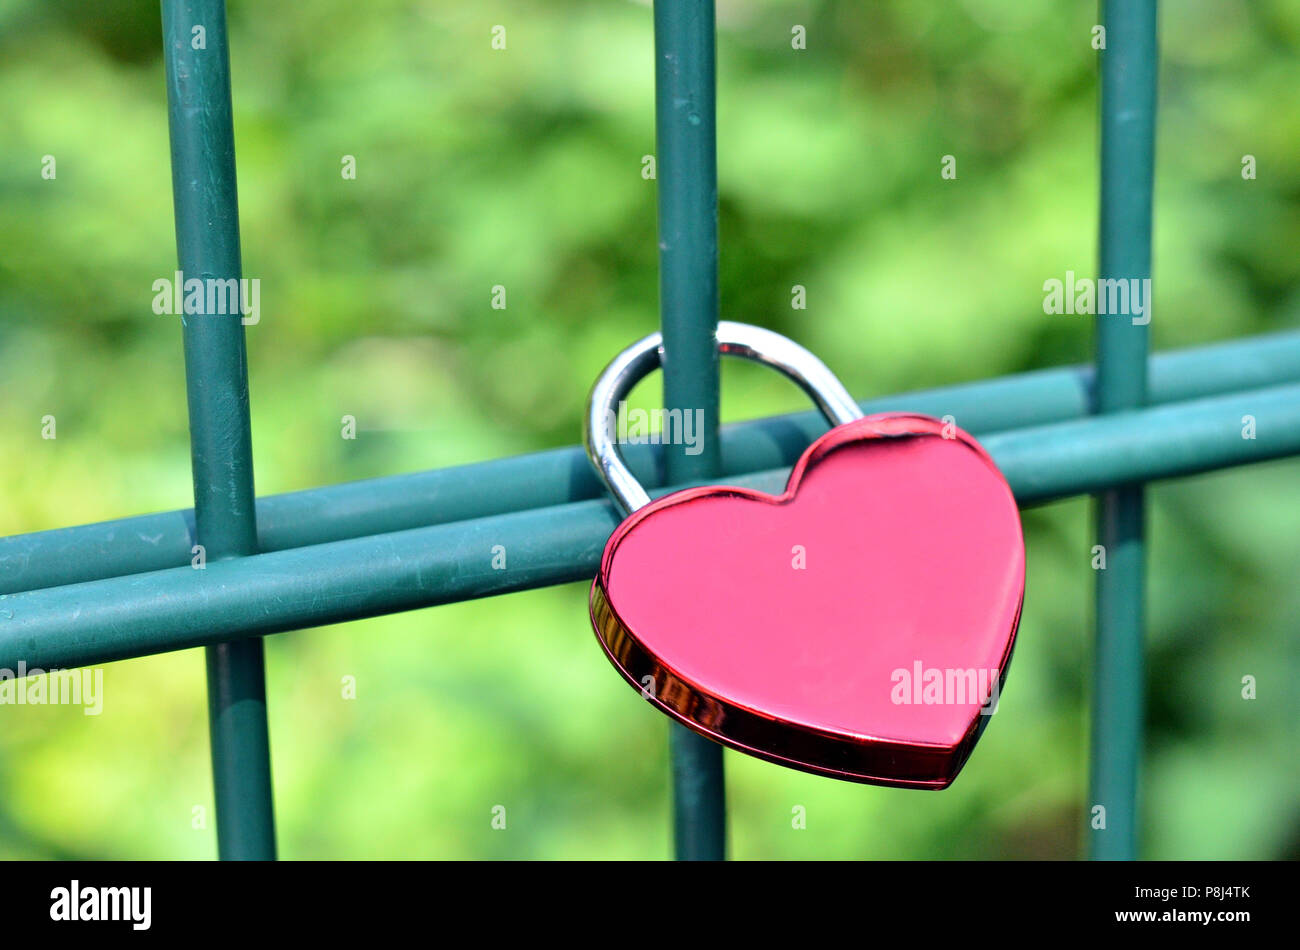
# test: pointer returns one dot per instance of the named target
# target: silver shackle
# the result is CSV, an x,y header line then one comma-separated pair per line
x,y
734,339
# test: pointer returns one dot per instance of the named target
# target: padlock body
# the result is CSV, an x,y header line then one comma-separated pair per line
x,y
855,626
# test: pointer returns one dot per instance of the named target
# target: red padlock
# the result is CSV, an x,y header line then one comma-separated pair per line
x,y
859,625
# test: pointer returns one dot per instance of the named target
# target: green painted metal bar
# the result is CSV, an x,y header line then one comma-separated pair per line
x,y
118,618
394,503
1128,130
686,151
216,373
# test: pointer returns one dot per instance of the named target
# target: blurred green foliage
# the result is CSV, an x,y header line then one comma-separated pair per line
x,y
522,168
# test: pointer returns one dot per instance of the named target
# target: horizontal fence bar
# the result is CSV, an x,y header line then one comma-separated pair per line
x,y
543,479
117,618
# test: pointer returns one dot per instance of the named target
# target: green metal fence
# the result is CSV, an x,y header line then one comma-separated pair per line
x,y
102,592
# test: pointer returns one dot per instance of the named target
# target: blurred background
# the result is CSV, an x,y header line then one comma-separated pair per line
x,y
523,168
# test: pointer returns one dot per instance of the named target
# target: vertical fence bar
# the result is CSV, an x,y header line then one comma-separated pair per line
x,y
686,146
1128,112
216,372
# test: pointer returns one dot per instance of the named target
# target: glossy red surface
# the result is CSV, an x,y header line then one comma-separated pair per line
x,y
793,627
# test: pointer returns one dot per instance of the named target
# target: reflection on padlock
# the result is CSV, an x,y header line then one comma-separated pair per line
x,y
858,626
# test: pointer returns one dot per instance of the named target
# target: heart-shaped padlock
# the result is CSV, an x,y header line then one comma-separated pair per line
x,y
858,626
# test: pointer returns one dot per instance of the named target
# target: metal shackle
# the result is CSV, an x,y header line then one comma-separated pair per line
x,y
734,339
